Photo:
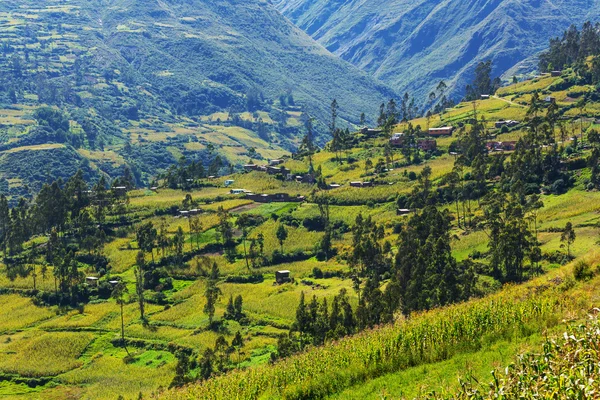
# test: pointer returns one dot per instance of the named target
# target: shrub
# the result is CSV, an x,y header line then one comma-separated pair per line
x,y
317,273
582,271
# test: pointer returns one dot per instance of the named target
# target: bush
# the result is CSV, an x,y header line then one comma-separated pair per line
x,y
317,273
256,278
582,271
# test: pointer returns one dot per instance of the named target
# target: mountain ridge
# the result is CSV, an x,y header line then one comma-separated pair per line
x,y
412,46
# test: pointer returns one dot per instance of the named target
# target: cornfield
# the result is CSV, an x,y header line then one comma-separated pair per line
x,y
568,367
425,338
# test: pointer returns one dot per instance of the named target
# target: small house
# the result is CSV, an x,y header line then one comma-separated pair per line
x,y
361,184
397,139
229,182
120,191
550,99
443,131
282,277
485,97
237,191
250,167
556,73
427,145
370,131
91,281
334,186
154,189
508,122
275,162
402,211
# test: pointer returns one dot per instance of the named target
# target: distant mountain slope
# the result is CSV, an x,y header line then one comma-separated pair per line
x,y
145,82
199,45
413,44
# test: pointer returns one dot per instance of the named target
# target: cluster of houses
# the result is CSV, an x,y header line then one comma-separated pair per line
x,y
274,198
271,169
501,146
398,140
508,123
274,169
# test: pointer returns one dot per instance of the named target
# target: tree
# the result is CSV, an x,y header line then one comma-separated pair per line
x,y
212,293
237,343
282,235
178,242
139,283
368,166
206,364
146,237
195,230
243,222
118,293
568,237
225,233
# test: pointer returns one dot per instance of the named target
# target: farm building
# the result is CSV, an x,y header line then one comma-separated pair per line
x,y
361,184
501,146
397,139
229,182
282,277
274,198
427,145
370,131
91,281
556,73
508,122
443,131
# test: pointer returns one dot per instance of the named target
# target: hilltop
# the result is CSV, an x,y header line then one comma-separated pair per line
x,y
412,45
194,79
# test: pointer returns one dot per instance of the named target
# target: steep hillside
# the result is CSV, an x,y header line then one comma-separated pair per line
x,y
412,45
171,79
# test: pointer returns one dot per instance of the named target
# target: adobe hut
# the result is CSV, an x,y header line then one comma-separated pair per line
x,y
282,277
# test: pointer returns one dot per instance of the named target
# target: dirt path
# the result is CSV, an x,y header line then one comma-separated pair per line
x,y
509,101
243,208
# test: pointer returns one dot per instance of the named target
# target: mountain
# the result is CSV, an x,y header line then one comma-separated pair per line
x,y
412,45
146,82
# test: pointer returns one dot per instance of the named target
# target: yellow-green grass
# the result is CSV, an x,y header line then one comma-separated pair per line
x,y
331,369
444,376
299,239
107,376
169,197
44,354
20,312
269,301
39,147
528,86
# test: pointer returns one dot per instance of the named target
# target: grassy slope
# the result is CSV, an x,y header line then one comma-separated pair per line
x,y
95,368
182,65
